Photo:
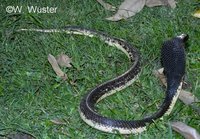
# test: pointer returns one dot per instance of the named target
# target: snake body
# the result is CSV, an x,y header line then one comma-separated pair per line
x,y
173,61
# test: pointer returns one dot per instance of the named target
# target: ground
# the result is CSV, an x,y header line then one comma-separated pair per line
x,y
32,96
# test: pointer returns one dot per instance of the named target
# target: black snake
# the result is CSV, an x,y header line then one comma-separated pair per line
x,y
172,59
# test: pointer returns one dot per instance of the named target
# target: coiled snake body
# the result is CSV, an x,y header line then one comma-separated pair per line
x,y
173,61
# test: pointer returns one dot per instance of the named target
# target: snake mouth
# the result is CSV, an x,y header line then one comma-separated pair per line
x,y
183,37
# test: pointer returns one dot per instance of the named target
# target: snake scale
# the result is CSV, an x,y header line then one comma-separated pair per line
x,y
172,59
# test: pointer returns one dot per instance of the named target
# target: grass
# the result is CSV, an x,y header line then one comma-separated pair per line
x,y
31,95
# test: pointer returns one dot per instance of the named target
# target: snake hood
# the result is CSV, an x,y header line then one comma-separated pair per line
x,y
173,62
173,59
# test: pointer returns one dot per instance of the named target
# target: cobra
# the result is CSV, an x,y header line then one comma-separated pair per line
x,y
172,59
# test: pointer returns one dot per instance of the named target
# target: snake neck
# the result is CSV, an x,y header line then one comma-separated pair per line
x,y
172,94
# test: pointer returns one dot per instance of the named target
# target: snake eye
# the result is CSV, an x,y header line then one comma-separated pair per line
x,y
183,37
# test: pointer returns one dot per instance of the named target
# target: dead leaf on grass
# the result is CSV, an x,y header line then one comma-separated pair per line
x,y
185,130
197,13
187,97
63,60
58,122
20,135
56,67
127,9
152,3
107,6
159,74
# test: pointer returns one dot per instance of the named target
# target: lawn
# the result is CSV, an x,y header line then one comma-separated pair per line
x,y
34,100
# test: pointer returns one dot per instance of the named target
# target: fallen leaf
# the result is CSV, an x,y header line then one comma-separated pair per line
x,y
20,135
56,68
63,60
107,6
58,122
152,3
187,97
172,3
197,13
185,130
159,74
127,9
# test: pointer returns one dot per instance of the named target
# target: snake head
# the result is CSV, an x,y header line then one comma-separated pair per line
x,y
183,37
